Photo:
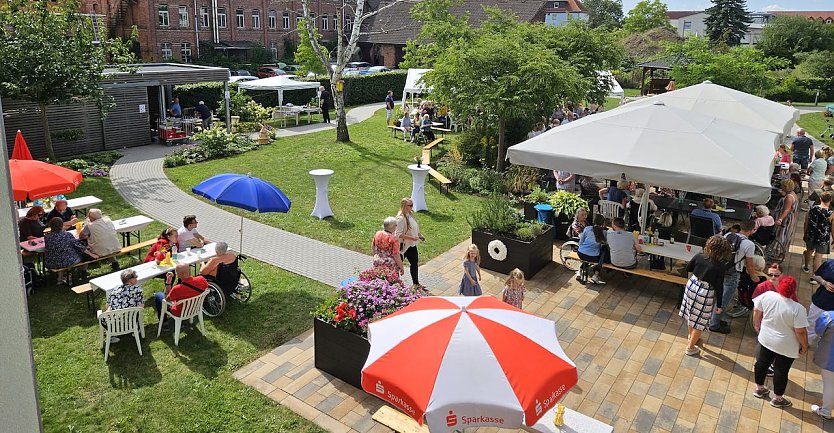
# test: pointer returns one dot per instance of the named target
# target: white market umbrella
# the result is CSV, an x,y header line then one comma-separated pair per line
x,y
463,362
278,83
659,145
731,105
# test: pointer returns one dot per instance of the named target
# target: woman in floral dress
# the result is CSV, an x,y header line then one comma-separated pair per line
x,y
386,246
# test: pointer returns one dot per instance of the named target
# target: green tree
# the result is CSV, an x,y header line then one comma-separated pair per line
x,y
742,67
506,71
49,56
604,13
785,36
727,22
307,59
436,38
648,14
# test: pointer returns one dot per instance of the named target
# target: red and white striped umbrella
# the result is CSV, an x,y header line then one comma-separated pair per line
x,y
467,361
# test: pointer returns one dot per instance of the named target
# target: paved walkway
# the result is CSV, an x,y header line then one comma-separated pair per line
x,y
138,176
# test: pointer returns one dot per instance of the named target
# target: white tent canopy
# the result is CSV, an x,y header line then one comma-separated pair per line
x,y
414,83
279,83
731,105
662,146
615,90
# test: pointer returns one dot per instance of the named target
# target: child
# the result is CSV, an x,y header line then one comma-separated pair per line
x,y
471,273
513,292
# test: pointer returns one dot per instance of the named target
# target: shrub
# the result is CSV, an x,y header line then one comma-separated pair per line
x,y
486,181
538,195
243,105
94,164
566,202
495,215
529,230
216,143
521,179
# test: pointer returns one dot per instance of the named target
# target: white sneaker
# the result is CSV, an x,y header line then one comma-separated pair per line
x,y
818,410
595,279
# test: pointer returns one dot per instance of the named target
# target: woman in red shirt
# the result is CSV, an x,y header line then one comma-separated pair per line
x,y
163,243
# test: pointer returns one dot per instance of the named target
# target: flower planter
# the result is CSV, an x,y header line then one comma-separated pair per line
x,y
561,224
339,352
530,256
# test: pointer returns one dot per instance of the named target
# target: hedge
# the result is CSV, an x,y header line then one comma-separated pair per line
x,y
359,90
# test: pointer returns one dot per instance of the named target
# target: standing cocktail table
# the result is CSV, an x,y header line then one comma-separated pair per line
x,y
418,185
322,207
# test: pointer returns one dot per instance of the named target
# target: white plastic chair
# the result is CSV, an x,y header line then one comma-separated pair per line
x,y
281,116
611,209
121,322
189,309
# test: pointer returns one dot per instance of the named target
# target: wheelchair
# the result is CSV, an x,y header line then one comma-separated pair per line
x,y
230,283
768,245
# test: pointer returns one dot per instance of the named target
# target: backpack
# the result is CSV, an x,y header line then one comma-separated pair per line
x,y
735,243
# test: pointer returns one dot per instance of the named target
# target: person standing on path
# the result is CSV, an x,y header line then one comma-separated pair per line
x,y
389,107
817,236
469,284
205,114
782,326
326,104
803,149
408,231
702,295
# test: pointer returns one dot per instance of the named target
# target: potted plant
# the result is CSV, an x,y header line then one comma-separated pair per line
x,y
565,204
340,324
507,242
536,196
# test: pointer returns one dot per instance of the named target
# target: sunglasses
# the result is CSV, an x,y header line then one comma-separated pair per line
x,y
410,205
774,275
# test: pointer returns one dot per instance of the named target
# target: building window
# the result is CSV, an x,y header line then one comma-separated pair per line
x,y
256,19
167,53
313,19
286,22
273,20
185,52
239,18
348,23
183,16
324,22
164,18
204,17
298,17
273,47
335,22
221,18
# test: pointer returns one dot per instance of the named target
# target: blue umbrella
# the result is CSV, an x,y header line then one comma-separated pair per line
x,y
243,191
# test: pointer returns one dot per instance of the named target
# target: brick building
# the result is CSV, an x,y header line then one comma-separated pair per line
x,y
180,29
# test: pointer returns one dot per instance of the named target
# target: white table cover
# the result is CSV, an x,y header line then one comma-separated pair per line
x,y
418,186
322,208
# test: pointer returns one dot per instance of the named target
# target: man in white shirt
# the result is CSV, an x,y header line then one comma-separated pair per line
x,y
622,245
101,236
188,236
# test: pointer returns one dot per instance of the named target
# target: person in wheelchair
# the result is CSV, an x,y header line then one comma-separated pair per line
x,y
764,230
580,221
222,269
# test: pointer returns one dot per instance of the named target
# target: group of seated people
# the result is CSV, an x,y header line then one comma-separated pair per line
x,y
420,119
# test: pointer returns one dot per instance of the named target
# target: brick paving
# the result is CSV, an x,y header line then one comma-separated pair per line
x,y
627,341
138,176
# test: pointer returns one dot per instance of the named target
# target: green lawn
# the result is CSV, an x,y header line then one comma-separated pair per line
x,y
370,179
814,124
168,389
811,104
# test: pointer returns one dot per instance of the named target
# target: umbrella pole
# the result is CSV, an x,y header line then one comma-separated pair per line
x,y
644,208
240,245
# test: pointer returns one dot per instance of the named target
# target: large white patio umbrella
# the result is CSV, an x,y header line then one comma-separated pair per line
x,y
463,362
730,104
659,145
279,83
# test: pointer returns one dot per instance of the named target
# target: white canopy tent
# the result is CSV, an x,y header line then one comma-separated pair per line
x,y
659,145
615,90
414,84
279,83
731,105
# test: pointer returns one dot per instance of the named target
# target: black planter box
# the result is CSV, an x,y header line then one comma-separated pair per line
x,y
560,226
339,352
530,257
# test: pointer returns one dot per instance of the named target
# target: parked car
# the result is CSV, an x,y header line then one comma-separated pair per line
x,y
240,78
292,68
362,66
350,71
377,69
239,72
270,71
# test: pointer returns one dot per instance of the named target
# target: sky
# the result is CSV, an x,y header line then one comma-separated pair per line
x,y
752,5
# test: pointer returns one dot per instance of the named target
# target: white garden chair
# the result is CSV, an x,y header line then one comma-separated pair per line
x,y
120,322
611,209
189,309
280,115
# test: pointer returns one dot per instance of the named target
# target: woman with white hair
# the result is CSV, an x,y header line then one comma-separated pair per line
x,y
224,256
386,246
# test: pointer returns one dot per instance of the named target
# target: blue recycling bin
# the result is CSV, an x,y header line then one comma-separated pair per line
x,y
544,213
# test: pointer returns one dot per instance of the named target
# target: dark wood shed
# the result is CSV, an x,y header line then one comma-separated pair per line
x,y
140,97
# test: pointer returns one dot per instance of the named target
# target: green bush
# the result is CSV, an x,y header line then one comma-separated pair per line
x,y
529,230
215,143
211,93
537,195
486,181
93,164
521,179
566,202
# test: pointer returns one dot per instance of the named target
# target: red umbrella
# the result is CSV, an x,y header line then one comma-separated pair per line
x,y
21,150
32,179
